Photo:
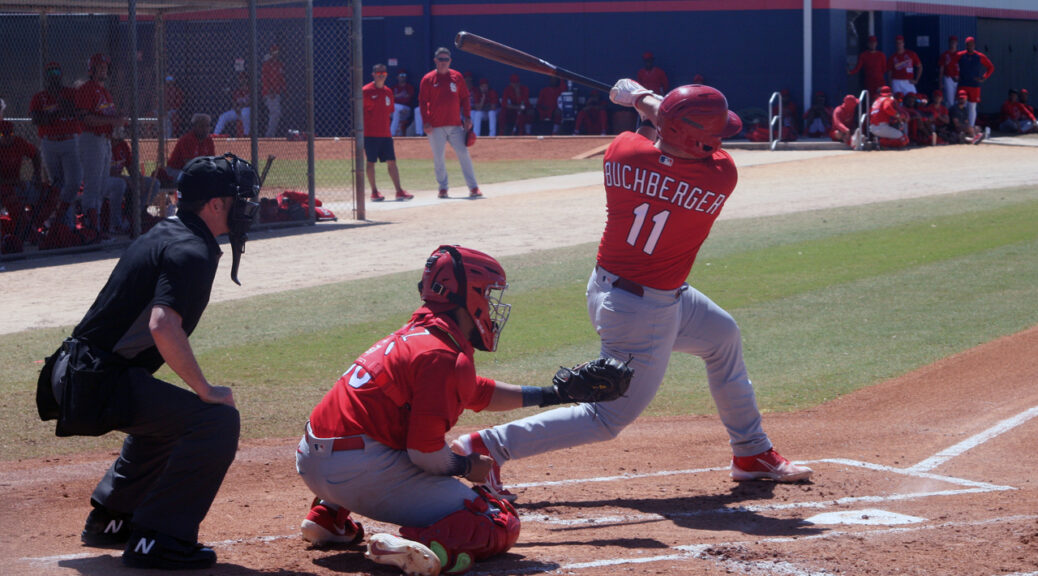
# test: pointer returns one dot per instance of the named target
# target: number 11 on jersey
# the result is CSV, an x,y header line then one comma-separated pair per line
x,y
658,222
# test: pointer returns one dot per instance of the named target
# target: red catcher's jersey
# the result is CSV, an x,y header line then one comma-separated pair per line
x,y
408,389
378,110
659,210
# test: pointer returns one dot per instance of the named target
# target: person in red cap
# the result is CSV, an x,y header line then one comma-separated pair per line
x,y
548,105
378,140
592,117
652,77
1024,95
845,120
947,70
959,117
100,116
888,121
1016,117
272,81
403,102
974,69
938,114
485,105
57,123
905,68
516,111
874,63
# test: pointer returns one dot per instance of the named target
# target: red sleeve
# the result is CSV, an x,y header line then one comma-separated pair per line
x,y
484,391
987,64
176,157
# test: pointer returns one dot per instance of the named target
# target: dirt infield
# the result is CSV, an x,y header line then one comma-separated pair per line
x,y
928,474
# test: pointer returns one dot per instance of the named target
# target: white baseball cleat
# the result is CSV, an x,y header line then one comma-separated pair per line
x,y
769,465
414,558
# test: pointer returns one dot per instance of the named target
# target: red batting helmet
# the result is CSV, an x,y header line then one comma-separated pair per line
x,y
694,118
458,277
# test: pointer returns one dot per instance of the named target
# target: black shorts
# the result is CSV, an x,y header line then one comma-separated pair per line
x,y
379,149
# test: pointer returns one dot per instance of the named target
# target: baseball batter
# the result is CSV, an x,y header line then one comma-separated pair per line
x,y
665,187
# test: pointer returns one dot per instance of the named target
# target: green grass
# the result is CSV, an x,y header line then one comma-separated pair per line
x,y
828,302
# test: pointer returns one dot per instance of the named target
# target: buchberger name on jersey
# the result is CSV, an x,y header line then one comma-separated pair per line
x,y
655,185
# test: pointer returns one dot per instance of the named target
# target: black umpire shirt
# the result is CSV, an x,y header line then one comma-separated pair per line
x,y
172,265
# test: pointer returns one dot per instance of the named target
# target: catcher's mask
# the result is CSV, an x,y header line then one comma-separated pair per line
x,y
228,175
469,279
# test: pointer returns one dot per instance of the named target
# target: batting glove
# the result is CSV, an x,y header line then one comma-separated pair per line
x,y
626,92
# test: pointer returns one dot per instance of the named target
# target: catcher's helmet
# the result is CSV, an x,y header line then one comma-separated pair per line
x,y
472,280
693,118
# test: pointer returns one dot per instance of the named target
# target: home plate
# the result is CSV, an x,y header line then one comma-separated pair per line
x,y
870,516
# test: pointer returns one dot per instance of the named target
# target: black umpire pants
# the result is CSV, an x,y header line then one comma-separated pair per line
x,y
173,461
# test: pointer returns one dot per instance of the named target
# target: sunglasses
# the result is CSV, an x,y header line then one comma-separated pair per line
x,y
381,73
443,59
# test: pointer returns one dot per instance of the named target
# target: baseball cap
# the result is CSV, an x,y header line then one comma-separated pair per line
x,y
1024,91
885,90
953,37
206,177
647,56
483,81
970,39
52,65
169,78
513,78
899,37
402,73
962,94
873,39
938,92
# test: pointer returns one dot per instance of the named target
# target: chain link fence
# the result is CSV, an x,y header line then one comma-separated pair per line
x,y
242,70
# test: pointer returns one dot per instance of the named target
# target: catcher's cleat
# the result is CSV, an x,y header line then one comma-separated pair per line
x,y
462,564
768,465
414,558
470,443
324,525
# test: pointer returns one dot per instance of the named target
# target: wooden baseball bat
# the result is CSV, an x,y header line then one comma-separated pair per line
x,y
498,52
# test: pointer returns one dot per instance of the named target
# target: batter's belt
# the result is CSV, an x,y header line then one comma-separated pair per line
x,y
331,445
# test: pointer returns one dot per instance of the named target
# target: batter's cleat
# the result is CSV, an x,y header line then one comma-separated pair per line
x,y
475,193
414,558
150,549
470,443
403,196
105,528
377,197
462,564
443,193
768,465
324,526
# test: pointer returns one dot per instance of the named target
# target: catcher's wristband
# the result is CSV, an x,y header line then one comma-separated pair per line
x,y
541,396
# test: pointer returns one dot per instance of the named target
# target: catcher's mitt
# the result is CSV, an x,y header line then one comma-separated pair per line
x,y
600,380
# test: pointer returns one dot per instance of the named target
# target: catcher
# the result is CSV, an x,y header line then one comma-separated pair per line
x,y
376,444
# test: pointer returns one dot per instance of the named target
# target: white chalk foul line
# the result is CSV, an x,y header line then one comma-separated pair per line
x,y
974,441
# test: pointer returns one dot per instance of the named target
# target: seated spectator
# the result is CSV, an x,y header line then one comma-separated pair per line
x,y
592,117
962,131
788,132
119,182
485,105
888,121
1017,118
818,118
404,102
197,142
516,111
938,114
239,114
919,128
548,105
15,194
845,120
1024,95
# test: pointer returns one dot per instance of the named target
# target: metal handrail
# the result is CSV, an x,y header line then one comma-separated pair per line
x,y
864,107
774,133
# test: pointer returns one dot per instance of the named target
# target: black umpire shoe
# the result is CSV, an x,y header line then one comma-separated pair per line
x,y
105,528
150,549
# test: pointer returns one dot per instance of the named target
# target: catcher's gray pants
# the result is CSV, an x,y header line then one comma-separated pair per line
x,y
61,157
95,155
173,461
378,482
438,139
646,328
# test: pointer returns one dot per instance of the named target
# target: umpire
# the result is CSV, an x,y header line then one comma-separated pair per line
x,y
179,444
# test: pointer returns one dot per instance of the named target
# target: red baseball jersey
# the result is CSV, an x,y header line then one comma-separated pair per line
x,y
903,66
12,156
403,94
378,110
844,117
875,66
884,110
408,389
93,98
511,97
67,123
659,210
272,78
949,60
189,146
485,100
444,99
548,101
121,156
655,80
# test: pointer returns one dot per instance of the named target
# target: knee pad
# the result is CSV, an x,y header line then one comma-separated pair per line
x,y
484,528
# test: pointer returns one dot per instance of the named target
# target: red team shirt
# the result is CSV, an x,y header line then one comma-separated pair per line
x,y
95,99
378,110
444,99
408,389
655,80
885,110
120,157
403,94
875,65
11,158
902,66
66,126
189,146
949,60
660,210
